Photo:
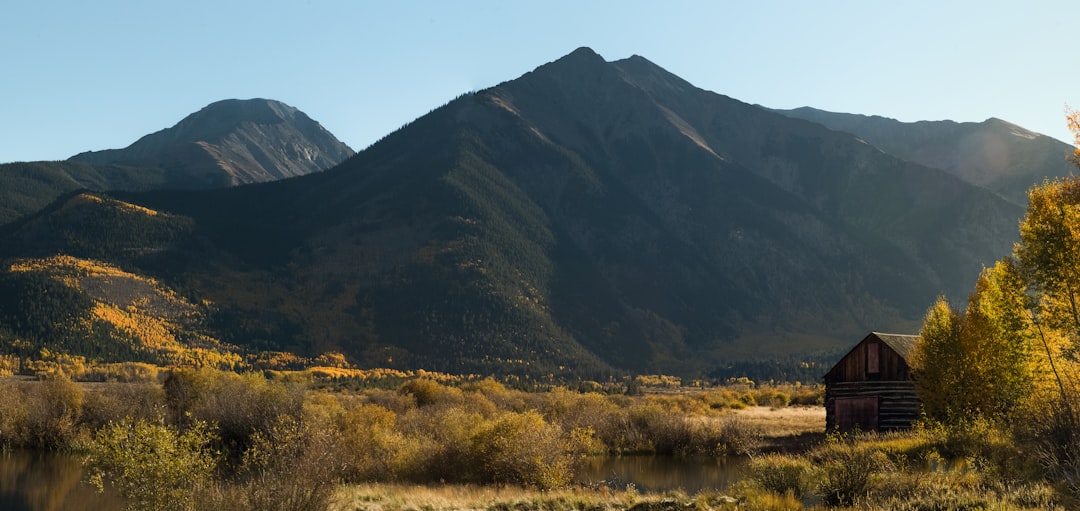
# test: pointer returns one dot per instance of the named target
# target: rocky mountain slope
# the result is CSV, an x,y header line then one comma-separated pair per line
x,y
227,143
233,142
589,216
994,154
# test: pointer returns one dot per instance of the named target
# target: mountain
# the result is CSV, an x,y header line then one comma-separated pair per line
x,y
994,154
586,217
232,142
227,143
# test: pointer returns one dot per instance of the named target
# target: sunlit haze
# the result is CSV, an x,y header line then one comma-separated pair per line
x,y
96,75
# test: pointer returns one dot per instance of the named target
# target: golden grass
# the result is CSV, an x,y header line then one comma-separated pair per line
x,y
782,422
445,497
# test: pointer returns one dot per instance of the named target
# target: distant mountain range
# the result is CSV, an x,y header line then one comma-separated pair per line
x,y
226,143
589,217
994,154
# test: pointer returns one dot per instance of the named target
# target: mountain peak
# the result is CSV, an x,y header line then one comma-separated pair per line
x,y
583,53
233,141
257,110
575,61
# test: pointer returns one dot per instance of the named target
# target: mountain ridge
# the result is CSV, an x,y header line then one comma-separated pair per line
x,y
994,153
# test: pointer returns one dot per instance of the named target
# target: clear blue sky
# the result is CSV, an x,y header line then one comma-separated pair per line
x,y
86,75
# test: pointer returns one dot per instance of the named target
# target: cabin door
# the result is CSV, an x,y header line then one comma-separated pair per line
x,y
857,412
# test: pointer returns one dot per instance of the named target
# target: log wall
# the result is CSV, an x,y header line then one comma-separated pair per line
x,y
898,405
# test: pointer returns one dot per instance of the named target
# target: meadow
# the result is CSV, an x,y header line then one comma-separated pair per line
x,y
331,440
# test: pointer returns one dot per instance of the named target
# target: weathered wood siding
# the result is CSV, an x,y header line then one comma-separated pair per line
x,y
854,366
897,405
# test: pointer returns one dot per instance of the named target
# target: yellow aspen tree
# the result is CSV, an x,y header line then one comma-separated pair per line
x,y
937,361
1049,249
982,363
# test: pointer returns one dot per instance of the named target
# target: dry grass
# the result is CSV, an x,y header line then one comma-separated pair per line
x,y
783,422
788,429
391,497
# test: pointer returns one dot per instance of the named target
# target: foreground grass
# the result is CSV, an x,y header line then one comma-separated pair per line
x,y
382,497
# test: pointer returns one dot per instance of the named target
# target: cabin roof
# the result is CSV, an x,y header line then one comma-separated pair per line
x,y
902,344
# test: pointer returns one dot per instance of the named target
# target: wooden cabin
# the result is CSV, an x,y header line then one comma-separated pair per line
x,y
870,388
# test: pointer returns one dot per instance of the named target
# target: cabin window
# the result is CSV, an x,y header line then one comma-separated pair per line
x,y
873,358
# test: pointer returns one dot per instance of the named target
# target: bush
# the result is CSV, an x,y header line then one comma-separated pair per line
x,y
672,434
239,405
153,465
772,397
115,401
522,448
846,471
430,392
293,467
42,415
781,474
374,449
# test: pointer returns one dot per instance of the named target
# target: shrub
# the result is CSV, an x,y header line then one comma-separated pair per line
x,y
153,465
293,467
522,448
430,392
445,435
239,405
846,471
115,401
772,397
53,410
781,474
374,449
673,434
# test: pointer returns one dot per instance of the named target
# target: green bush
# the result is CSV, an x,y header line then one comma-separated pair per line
x,y
153,465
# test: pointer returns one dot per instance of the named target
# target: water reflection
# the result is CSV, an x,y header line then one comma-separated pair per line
x,y
656,473
31,481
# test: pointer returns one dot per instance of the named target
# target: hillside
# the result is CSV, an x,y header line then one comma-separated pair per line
x,y
26,187
994,154
589,216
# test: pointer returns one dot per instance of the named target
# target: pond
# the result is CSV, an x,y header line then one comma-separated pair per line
x,y
660,473
34,481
